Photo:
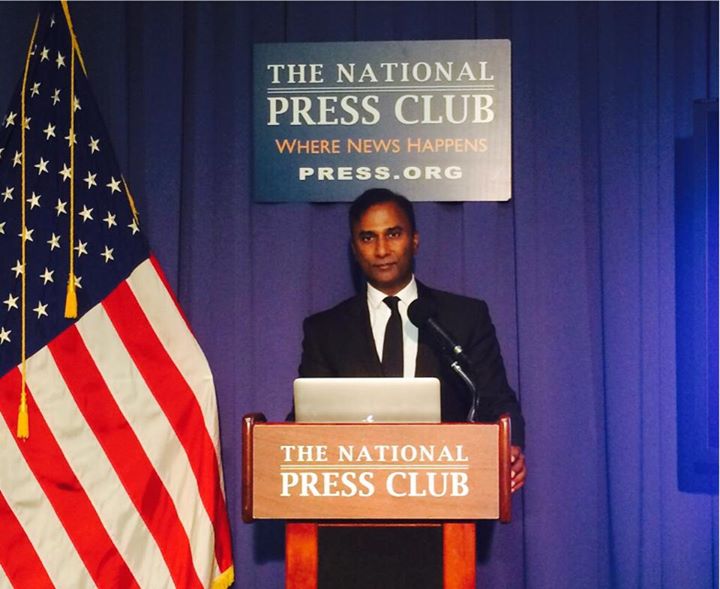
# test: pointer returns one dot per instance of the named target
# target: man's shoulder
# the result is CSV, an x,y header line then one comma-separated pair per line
x,y
459,313
450,299
347,308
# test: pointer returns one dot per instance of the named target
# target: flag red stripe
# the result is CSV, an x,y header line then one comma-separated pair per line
x,y
18,558
125,453
178,402
65,493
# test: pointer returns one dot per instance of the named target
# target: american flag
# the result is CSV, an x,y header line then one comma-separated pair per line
x,y
119,483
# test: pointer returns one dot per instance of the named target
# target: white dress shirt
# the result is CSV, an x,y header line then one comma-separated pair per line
x,y
379,316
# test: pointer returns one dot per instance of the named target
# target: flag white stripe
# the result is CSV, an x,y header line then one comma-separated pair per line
x,y
178,341
4,581
37,517
96,475
150,424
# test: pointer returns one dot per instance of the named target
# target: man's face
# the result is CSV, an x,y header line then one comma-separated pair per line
x,y
384,246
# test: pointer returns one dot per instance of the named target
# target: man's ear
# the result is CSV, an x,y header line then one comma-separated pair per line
x,y
416,241
352,248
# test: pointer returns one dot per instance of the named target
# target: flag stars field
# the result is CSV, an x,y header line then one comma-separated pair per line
x,y
65,172
26,235
54,242
47,276
107,254
86,214
34,200
110,220
81,248
113,185
11,302
90,180
42,166
41,309
17,268
49,131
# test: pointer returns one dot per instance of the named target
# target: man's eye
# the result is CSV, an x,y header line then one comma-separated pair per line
x,y
394,234
366,238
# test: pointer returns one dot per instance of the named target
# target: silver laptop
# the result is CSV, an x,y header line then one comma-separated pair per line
x,y
354,400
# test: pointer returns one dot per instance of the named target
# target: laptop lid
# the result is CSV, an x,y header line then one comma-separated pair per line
x,y
354,400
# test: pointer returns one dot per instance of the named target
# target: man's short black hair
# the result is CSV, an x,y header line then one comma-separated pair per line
x,y
376,196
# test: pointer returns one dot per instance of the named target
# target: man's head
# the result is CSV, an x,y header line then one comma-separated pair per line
x,y
383,238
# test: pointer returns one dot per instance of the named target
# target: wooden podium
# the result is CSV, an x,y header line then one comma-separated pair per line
x,y
405,474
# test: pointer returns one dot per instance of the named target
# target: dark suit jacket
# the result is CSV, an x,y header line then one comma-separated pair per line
x,y
339,342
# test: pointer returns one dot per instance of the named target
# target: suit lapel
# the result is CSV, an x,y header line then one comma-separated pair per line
x,y
364,344
426,364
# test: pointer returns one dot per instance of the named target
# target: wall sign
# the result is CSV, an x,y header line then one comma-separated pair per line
x,y
428,119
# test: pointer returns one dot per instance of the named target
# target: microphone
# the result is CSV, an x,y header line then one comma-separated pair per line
x,y
422,314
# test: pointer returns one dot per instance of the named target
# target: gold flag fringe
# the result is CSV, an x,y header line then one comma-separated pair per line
x,y
23,423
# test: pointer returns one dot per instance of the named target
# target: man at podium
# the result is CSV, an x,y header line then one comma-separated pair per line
x,y
372,334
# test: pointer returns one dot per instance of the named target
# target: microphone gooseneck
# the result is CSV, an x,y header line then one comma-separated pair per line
x,y
422,314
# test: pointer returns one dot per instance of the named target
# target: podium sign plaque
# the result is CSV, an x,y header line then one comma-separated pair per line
x,y
377,471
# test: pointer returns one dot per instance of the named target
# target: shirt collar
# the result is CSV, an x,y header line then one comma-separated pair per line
x,y
407,295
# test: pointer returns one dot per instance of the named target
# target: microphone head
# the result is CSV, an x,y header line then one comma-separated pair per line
x,y
420,310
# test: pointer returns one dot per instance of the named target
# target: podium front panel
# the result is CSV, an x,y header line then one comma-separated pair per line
x,y
375,471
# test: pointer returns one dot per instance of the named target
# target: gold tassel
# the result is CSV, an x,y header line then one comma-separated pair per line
x,y
224,580
71,296
23,426
71,299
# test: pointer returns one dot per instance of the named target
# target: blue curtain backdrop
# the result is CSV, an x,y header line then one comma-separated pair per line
x,y
578,269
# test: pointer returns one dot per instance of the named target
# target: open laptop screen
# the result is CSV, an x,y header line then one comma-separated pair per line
x,y
353,400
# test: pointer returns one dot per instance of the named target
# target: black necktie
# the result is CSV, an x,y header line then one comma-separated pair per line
x,y
392,357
